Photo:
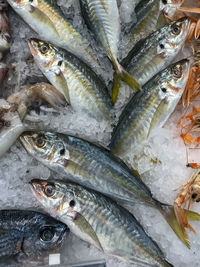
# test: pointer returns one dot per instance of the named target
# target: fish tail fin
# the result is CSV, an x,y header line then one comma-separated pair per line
x,y
169,214
121,74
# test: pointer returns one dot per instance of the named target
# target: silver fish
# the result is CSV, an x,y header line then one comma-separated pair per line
x,y
46,18
149,108
99,221
103,17
80,85
95,167
156,52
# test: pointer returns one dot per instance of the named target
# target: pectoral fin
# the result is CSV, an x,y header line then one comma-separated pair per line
x,y
61,81
161,109
85,227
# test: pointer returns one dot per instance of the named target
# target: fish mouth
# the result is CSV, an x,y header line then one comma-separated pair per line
x,y
37,186
32,43
26,139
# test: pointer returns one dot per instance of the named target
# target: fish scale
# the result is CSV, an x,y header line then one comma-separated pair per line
x,y
99,10
80,85
47,19
149,108
156,52
116,230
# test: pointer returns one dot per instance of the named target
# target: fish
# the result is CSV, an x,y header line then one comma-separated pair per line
x,y
15,108
147,14
98,220
150,108
29,235
157,51
3,71
82,88
103,18
95,167
46,18
5,38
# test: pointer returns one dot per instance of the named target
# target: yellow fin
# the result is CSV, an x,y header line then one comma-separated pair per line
x,y
85,227
192,216
170,216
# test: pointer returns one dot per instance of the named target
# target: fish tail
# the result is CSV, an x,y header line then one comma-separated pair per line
x,y
171,218
120,74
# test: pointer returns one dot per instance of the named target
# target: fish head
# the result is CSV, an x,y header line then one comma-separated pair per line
x,y
46,147
45,234
169,7
174,79
173,37
46,55
59,197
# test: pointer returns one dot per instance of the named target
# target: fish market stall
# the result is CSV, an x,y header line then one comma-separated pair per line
x,y
99,133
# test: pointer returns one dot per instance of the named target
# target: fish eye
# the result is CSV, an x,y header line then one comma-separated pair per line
x,y
162,46
7,38
40,141
62,151
60,63
177,71
49,190
194,195
46,234
44,49
176,29
72,203
164,90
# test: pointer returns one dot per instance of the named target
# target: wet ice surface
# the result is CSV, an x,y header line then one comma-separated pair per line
x,y
161,161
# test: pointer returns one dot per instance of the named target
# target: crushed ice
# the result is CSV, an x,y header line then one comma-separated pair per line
x,y
161,160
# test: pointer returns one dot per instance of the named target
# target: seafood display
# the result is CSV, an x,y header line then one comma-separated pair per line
x,y
47,19
96,168
99,109
95,221
29,235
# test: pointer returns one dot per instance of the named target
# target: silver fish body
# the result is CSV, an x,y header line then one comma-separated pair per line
x,y
87,164
103,17
147,13
156,52
99,220
80,85
95,167
149,108
46,18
